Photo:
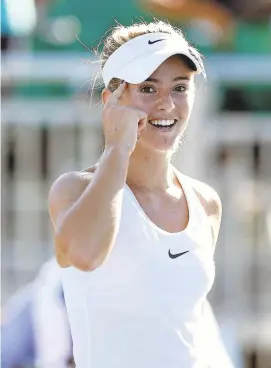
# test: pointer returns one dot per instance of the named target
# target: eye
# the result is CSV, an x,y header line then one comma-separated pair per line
x,y
180,88
147,89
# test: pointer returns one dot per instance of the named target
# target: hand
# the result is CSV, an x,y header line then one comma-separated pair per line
x,y
122,124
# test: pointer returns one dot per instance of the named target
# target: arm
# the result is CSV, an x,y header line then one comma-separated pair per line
x,y
85,211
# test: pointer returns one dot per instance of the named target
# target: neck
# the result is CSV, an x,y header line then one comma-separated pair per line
x,y
150,170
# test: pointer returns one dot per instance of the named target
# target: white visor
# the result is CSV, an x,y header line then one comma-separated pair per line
x,y
138,58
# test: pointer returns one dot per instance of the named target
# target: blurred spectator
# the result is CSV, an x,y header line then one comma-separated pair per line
x,y
249,10
221,11
35,329
216,19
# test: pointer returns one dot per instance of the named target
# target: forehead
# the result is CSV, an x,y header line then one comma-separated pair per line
x,y
175,66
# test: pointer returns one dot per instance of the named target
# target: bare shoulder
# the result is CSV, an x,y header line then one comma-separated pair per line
x,y
211,203
208,197
66,189
69,184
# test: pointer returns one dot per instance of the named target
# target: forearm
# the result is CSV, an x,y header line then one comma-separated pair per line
x,y
90,227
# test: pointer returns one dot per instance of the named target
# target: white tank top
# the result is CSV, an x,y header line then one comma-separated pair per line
x,y
143,308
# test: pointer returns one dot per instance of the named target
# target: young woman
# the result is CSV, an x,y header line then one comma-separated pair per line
x,y
134,236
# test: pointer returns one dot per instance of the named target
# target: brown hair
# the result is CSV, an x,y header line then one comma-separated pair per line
x,y
121,34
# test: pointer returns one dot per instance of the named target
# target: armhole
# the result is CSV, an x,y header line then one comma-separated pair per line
x,y
198,205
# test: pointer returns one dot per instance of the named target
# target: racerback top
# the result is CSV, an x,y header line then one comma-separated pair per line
x,y
143,308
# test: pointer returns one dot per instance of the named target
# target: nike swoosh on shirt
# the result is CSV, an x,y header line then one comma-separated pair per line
x,y
173,256
152,42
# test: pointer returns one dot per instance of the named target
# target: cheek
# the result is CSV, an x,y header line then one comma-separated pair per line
x,y
141,102
186,104
131,98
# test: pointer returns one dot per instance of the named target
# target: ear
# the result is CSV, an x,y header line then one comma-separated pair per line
x,y
106,93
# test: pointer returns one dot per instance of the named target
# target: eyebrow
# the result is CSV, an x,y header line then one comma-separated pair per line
x,y
154,80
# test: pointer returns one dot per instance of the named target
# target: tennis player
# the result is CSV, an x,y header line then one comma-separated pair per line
x,y
134,236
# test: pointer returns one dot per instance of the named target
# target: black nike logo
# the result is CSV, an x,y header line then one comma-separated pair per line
x,y
173,256
152,42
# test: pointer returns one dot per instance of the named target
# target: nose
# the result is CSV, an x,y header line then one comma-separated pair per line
x,y
166,103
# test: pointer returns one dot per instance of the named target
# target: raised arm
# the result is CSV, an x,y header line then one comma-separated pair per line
x,y
85,209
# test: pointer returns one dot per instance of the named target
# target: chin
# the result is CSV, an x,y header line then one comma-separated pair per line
x,y
161,146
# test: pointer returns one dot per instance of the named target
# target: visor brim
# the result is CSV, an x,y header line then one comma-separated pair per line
x,y
144,66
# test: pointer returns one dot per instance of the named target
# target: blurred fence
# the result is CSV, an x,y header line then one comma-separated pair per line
x,y
228,146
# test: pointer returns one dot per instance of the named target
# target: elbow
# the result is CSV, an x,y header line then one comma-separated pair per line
x,y
78,256
83,260
83,265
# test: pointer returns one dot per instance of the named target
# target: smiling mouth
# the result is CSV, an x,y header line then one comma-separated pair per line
x,y
163,124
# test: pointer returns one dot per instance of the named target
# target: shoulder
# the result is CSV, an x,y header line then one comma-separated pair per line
x,y
210,202
208,197
72,181
67,188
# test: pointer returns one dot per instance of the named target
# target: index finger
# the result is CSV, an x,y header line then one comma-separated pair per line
x,y
116,95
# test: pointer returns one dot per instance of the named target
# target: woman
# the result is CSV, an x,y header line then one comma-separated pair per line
x,y
134,236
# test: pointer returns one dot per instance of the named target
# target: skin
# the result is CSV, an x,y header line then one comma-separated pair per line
x,y
169,94
164,99
144,164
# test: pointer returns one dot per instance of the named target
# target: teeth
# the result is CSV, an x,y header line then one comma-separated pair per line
x,y
162,122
